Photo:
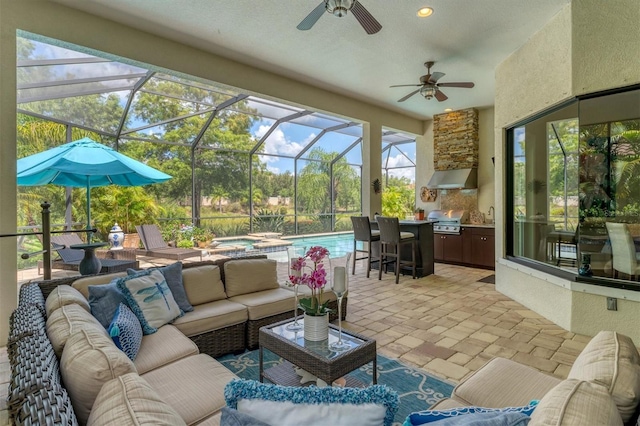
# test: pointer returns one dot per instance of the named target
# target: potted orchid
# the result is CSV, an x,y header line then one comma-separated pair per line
x,y
311,270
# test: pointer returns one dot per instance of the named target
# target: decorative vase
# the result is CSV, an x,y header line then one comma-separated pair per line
x,y
116,237
316,328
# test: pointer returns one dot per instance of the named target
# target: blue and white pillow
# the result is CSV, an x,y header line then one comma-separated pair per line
x,y
126,332
150,298
173,274
284,405
431,416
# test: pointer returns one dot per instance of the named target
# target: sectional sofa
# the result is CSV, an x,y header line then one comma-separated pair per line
x,y
66,368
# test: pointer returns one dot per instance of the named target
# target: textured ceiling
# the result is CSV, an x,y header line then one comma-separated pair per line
x,y
466,38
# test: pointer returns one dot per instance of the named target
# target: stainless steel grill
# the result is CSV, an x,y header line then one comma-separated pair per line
x,y
449,221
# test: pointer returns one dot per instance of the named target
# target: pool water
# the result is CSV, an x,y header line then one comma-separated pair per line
x,y
338,244
238,242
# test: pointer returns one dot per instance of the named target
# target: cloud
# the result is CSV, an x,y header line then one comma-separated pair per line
x,y
279,144
408,170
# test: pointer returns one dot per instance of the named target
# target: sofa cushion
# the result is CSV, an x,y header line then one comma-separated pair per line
x,y
612,360
66,321
165,346
130,400
104,300
203,284
576,402
82,284
173,274
249,276
265,303
231,417
150,298
505,378
194,386
461,414
211,316
89,360
126,332
65,295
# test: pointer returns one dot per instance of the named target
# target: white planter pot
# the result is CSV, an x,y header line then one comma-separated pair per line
x,y
316,328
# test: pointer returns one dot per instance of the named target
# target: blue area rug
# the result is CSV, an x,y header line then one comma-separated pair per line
x,y
416,388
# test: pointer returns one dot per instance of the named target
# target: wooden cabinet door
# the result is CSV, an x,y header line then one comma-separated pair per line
x,y
467,252
483,247
438,247
452,251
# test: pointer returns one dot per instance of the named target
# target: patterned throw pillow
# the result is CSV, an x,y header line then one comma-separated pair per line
x,y
173,274
125,331
472,414
149,297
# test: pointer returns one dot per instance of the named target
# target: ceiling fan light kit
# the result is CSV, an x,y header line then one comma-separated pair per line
x,y
340,8
429,86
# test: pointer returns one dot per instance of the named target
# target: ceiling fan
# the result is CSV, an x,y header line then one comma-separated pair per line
x,y
340,8
429,86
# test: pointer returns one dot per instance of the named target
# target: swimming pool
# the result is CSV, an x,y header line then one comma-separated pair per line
x,y
244,242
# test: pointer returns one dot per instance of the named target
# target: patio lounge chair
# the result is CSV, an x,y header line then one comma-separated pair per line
x,y
155,246
69,259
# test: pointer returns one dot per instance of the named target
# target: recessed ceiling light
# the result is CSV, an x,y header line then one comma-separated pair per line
x,y
448,110
424,12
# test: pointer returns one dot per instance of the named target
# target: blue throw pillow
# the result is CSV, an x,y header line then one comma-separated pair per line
x,y
104,300
431,416
126,332
231,417
173,274
486,419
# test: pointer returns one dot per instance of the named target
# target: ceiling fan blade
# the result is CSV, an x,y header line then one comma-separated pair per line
x,y
406,85
368,22
433,78
404,98
312,18
440,96
468,85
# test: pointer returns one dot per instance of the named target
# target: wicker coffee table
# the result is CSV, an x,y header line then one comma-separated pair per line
x,y
314,357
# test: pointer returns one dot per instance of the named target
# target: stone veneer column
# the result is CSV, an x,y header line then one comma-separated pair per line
x,y
455,140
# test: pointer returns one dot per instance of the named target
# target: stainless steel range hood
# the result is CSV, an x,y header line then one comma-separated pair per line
x,y
454,179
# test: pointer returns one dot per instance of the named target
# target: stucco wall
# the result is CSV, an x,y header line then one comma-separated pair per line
x,y
486,168
584,49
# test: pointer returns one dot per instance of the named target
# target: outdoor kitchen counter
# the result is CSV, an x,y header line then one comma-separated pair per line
x,y
481,225
423,230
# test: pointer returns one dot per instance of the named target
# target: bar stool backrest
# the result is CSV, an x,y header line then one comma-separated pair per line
x,y
389,229
361,228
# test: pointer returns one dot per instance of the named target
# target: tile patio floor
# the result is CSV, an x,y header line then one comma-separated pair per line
x,y
448,324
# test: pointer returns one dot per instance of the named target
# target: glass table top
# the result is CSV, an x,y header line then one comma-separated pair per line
x,y
319,348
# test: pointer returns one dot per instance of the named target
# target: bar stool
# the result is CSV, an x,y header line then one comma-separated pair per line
x,y
362,232
391,242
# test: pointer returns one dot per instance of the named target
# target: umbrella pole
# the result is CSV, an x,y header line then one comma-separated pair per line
x,y
89,234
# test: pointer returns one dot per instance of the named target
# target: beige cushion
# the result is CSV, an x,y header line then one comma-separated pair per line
x,y
211,316
263,304
82,284
447,403
611,359
164,346
128,400
65,321
576,402
249,276
511,384
89,360
65,295
194,386
213,420
203,284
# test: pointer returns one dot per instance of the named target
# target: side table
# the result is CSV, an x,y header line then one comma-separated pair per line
x,y
90,265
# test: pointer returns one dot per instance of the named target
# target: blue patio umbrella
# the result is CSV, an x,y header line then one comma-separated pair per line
x,y
85,163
